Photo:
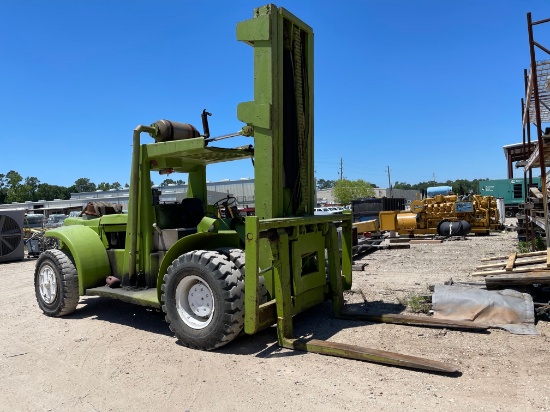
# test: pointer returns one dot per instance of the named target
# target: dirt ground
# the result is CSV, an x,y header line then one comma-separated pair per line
x,y
113,356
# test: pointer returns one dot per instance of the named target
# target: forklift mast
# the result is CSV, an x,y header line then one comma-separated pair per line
x,y
282,112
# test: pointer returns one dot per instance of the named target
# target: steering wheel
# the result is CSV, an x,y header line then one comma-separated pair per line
x,y
226,202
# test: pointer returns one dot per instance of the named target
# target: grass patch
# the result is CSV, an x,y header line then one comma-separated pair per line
x,y
416,303
525,247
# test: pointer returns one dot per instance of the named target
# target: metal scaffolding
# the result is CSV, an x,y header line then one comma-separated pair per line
x,y
535,111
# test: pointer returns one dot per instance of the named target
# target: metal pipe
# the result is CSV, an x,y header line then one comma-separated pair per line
x,y
133,201
541,47
225,136
540,21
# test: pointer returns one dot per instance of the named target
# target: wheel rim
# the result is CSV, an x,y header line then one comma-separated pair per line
x,y
194,302
47,283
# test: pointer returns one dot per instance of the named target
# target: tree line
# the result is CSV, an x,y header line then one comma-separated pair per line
x,y
15,188
345,191
460,186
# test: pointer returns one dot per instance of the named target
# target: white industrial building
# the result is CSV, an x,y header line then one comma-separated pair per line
x,y
326,196
242,189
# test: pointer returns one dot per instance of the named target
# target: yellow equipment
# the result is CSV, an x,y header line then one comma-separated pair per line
x,y
424,216
371,226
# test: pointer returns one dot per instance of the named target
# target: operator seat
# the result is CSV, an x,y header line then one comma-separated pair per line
x,y
193,210
185,215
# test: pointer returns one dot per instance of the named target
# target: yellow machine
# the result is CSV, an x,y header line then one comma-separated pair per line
x,y
425,215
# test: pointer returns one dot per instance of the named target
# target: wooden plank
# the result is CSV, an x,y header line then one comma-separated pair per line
x,y
538,253
425,241
547,257
502,281
399,239
492,266
511,262
535,192
515,270
518,262
530,261
399,246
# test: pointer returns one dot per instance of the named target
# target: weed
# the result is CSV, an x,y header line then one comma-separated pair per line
x,y
416,303
525,247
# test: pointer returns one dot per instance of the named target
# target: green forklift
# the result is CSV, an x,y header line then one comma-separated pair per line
x,y
214,273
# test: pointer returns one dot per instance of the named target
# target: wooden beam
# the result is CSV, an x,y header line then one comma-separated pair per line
x,y
502,281
424,241
501,265
535,192
511,262
516,262
520,255
503,271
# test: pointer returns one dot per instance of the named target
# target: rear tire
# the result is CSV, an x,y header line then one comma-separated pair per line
x,y
56,283
203,299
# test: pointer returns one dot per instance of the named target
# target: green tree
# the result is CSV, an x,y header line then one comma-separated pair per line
x,y
83,185
402,185
3,188
167,182
30,187
324,184
103,186
15,189
347,190
51,192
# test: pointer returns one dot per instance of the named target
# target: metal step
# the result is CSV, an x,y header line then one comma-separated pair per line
x,y
143,297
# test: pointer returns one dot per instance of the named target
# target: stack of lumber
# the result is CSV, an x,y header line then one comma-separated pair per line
x,y
517,269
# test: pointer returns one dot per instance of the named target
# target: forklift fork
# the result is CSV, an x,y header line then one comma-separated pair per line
x,y
281,308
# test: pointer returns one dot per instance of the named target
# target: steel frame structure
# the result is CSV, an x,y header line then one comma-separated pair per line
x,y
536,110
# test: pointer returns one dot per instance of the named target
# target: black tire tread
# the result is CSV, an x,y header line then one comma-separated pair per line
x,y
68,292
231,283
237,256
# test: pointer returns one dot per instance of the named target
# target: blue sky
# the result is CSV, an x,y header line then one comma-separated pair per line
x,y
428,88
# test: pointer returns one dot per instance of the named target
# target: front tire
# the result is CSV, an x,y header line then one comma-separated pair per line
x,y
203,299
56,283
237,256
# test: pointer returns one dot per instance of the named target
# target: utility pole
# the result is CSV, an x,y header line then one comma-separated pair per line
x,y
341,169
389,182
